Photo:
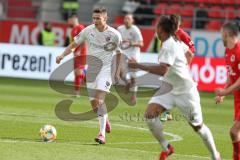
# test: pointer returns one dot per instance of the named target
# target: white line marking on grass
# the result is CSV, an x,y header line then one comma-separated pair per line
x,y
174,136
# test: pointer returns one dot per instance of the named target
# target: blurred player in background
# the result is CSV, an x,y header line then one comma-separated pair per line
x,y
132,41
102,41
47,37
184,94
79,53
184,37
232,57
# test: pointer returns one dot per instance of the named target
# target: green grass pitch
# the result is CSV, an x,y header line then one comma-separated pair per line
x,y
26,105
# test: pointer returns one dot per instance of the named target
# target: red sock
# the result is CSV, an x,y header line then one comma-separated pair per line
x,y
236,151
77,82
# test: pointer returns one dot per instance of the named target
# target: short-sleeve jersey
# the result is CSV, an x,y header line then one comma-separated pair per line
x,y
232,58
101,45
131,34
172,53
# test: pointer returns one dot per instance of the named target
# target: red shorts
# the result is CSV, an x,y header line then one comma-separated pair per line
x,y
80,58
237,107
79,62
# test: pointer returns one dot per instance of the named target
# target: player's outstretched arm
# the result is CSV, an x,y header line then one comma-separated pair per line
x,y
66,52
158,69
118,66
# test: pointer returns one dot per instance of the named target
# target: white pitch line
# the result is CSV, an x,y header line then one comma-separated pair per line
x,y
174,136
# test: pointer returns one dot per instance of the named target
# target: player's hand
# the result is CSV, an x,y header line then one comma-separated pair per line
x,y
58,59
220,92
132,63
219,99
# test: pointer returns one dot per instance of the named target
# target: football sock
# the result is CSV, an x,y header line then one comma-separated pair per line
x,y
156,128
133,89
236,151
102,118
77,82
208,140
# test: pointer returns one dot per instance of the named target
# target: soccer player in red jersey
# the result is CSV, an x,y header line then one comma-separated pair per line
x,y
232,57
185,37
79,53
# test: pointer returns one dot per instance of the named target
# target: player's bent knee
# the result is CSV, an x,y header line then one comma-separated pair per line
x,y
197,127
153,111
95,104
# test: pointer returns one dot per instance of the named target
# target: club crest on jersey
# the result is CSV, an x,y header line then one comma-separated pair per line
x,y
232,58
108,39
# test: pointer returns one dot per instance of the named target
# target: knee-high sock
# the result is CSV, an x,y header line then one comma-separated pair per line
x,y
102,118
156,128
208,140
77,82
134,90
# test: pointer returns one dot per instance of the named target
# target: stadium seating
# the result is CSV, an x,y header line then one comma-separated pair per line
x,y
186,24
231,2
160,8
213,25
174,9
216,12
21,9
210,2
230,12
188,10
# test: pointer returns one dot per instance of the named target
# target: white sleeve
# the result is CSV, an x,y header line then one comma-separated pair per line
x,y
118,41
166,56
81,37
138,35
119,28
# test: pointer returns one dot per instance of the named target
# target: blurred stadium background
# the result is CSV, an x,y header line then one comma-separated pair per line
x,y
21,21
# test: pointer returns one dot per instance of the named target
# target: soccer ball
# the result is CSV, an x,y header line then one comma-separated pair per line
x,y
48,133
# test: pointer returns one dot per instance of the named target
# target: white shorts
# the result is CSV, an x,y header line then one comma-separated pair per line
x,y
188,103
132,72
102,82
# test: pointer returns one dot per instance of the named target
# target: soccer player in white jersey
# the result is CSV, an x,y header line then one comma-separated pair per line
x,y
103,41
184,94
132,41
